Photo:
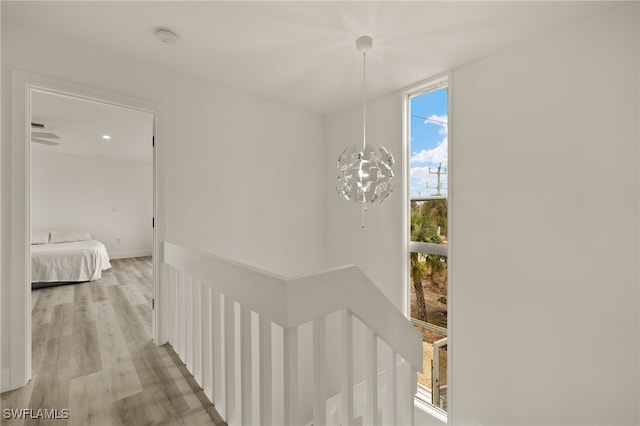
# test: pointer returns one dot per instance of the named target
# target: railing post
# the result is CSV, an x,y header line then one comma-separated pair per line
x,y
182,327
291,376
319,391
392,386
219,398
197,330
371,409
266,409
188,314
173,289
245,364
206,330
413,387
347,368
230,361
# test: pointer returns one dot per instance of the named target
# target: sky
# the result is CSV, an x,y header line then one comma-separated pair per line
x,y
428,139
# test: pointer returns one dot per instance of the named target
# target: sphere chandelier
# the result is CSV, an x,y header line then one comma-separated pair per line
x,y
365,174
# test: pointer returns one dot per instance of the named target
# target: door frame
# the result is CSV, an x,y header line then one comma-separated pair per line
x,y
23,85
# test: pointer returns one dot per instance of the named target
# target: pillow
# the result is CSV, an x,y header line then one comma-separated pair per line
x,y
69,237
39,237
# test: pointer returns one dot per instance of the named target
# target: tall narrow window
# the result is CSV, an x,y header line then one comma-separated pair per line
x,y
427,281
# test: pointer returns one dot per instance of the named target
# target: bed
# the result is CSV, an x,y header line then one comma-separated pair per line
x,y
65,259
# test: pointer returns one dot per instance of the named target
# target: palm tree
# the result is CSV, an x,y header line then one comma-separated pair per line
x,y
417,274
436,210
436,264
423,230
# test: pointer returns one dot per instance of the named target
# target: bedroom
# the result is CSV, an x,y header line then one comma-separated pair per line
x,y
91,192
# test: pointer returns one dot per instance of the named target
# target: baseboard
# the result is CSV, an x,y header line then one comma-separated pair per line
x,y
5,380
129,253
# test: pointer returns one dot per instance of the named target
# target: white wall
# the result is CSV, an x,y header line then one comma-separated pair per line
x,y
548,262
545,282
111,198
236,174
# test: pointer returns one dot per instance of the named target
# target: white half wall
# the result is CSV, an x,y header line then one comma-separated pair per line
x,y
111,198
544,295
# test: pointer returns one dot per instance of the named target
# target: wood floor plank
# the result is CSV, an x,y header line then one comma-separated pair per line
x,y
128,319
42,310
133,294
66,322
88,397
82,304
116,359
97,289
145,312
86,357
108,276
50,387
38,341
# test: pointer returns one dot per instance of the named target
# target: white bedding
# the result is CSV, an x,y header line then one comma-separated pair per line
x,y
77,261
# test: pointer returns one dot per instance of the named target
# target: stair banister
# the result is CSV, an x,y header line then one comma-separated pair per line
x,y
208,287
347,287
285,300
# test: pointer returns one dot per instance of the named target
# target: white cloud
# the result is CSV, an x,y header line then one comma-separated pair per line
x,y
440,121
419,172
438,154
435,155
424,164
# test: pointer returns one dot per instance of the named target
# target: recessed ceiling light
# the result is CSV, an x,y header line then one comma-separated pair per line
x,y
166,36
106,137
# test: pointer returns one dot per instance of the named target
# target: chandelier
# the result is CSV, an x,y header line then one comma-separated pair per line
x,y
365,173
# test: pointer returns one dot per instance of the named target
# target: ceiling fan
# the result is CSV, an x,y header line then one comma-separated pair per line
x,y
38,135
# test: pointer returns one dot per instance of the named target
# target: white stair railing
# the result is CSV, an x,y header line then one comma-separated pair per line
x,y
237,329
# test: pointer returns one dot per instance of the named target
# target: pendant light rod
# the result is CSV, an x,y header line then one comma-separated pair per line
x,y
364,101
364,119
363,45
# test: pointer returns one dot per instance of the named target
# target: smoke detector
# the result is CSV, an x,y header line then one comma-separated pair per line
x,y
166,36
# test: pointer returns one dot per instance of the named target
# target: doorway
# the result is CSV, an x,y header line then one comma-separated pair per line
x,y
24,87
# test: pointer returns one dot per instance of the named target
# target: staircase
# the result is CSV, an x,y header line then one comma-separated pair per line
x,y
268,349
334,404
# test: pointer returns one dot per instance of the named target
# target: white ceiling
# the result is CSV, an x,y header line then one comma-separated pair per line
x,y
80,124
298,53
302,53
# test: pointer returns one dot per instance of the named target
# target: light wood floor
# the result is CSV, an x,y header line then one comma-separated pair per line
x,y
93,355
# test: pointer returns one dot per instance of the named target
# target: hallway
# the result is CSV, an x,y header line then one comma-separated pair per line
x,y
93,357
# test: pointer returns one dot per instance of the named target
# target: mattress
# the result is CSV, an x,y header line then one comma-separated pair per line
x,y
68,262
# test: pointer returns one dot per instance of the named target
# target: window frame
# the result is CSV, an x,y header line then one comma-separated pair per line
x,y
426,86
